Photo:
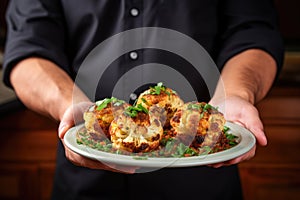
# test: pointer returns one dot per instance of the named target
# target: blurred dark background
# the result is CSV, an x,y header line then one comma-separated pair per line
x,y
289,21
3,5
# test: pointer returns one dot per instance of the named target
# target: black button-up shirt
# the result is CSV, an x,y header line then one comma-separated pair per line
x,y
65,31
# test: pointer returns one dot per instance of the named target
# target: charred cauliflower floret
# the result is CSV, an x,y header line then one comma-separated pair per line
x,y
99,116
163,97
137,129
198,124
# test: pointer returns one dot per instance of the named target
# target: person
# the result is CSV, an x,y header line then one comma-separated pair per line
x,y
47,41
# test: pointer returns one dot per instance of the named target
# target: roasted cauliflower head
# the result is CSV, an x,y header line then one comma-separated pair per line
x,y
99,116
198,124
137,129
163,97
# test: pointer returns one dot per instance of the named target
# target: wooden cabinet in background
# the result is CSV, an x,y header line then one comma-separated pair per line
x,y
27,156
274,173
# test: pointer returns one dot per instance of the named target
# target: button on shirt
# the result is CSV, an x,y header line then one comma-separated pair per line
x,y
134,12
133,55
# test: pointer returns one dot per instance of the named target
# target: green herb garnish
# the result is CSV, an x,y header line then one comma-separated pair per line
x,y
226,129
157,89
204,107
194,106
144,100
191,152
231,138
205,150
207,106
132,111
103,104
169,145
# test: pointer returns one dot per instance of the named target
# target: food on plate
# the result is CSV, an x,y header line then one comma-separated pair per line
x,y
197,124
163,97
137,129
99,116
159,124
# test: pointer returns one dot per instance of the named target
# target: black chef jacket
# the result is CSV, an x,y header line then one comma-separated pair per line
x,y
65,31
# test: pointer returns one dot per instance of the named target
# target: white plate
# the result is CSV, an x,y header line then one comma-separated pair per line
x,y
247,141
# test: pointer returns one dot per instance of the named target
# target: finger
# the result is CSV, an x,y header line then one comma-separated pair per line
x,y
64,126
73,115
81,161
255,125
247,156
256,128
122,169
247,115
250,119
79,109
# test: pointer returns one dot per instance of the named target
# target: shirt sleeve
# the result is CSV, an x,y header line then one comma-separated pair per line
x,y
35,28
249,24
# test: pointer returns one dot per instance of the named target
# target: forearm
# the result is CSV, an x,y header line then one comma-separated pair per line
x,y
248,75
43,87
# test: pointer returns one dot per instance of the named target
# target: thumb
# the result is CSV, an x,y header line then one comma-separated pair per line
x,y
66,123
62,129
255,125
259,133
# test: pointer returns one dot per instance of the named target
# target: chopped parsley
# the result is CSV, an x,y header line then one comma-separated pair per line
x,y
232,139
201,106
174,148
156,90
132,111
103,103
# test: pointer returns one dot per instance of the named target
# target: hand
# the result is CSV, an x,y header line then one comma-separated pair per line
x,y
240,111
72,116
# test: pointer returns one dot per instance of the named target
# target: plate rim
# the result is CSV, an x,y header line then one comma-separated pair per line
x,y
247,141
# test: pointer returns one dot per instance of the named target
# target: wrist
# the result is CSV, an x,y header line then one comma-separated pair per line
x,y
242,93
248,75
224,91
